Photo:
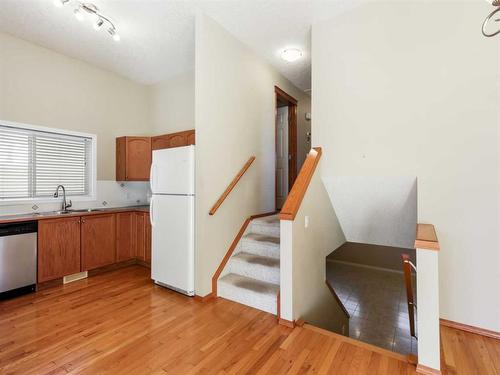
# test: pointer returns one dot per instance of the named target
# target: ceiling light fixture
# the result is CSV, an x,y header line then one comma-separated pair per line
x,y
99,20
291,54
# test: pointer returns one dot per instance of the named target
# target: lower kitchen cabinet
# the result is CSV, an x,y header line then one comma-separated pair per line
x,y
143,236
58,248
98,237
126,235
74,244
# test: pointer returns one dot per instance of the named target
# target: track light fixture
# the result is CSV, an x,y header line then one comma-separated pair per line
x,y
88,9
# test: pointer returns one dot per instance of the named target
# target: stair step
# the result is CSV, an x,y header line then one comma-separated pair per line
x,y
248,291
267,225
261,244
255,266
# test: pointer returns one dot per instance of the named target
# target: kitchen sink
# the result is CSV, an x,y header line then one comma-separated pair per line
x,y
87,210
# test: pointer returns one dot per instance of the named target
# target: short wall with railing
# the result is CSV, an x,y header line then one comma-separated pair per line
x,y
310,230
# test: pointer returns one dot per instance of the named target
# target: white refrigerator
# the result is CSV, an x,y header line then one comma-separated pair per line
x,y
172,218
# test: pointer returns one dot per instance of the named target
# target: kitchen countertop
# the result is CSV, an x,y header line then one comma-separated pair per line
x,y
4,219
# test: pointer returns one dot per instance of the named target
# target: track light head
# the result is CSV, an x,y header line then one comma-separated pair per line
x,y
114,34
98,24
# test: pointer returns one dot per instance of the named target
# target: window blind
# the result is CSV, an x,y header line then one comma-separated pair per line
x,y
33,163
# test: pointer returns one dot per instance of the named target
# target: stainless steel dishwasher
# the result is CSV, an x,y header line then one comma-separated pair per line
x,y
18,257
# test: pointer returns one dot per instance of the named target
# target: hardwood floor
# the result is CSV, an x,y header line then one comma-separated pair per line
x,y
120,323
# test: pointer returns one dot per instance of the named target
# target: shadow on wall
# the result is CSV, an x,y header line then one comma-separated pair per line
x,y
376,210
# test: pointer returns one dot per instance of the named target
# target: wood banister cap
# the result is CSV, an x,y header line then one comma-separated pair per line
x,y
426,237
299,188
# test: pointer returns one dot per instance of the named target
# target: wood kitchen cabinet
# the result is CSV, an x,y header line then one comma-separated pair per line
x,y
179,139
126,236
143,236
98,240
58,248
133,158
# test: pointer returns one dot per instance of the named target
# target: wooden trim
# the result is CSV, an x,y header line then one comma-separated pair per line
x,y
292,138
300,322
334,294
209,297
278,305
412,359
471,329
230,251
426,237
286,323
361,344
292,145
112,267
294,199
231,186
143,263
421,369
284,95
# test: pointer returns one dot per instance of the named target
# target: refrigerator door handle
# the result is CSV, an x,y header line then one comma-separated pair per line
x,y
152,176
151,211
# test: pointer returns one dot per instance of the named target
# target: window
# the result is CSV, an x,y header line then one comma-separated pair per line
x,y
33,161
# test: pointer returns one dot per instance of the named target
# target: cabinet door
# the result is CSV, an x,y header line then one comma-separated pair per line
x,y
125,236
98,241
140,236
160,142
138,161
58,248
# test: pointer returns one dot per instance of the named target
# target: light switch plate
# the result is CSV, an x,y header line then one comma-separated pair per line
x,y
306,222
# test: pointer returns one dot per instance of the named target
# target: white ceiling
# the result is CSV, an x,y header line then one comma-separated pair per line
x,y
157,36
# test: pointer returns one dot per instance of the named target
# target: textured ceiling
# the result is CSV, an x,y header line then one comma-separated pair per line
x,y
157,36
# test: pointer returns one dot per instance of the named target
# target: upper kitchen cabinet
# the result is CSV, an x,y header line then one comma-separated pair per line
x,y
178,139
133,158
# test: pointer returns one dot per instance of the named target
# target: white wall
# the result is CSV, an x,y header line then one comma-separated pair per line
x,y
234,119
303,253
413,89
378,210
41,87
172,104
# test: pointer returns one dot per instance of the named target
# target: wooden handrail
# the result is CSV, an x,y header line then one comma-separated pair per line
x,y
296,195
231,186
407,266
426,237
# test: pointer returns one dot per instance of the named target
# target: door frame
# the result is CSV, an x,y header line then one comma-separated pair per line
x,y
292,138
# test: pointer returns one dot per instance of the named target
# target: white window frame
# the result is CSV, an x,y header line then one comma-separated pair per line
x,y
93,167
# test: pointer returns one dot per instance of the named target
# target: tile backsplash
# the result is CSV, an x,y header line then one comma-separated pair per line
x,y
108,194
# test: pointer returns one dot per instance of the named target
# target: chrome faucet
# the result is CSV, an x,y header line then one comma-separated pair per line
x,y
65,205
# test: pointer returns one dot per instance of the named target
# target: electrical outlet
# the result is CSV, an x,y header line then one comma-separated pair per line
x,y
306,222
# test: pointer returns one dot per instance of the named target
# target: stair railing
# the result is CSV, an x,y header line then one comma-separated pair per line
x,y
412,307
231,186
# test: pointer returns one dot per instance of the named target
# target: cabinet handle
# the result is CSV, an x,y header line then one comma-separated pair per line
x,y
83,220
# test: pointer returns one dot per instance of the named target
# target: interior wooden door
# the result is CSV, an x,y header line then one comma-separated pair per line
x,y
125,236
98,241
138,158
58,248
